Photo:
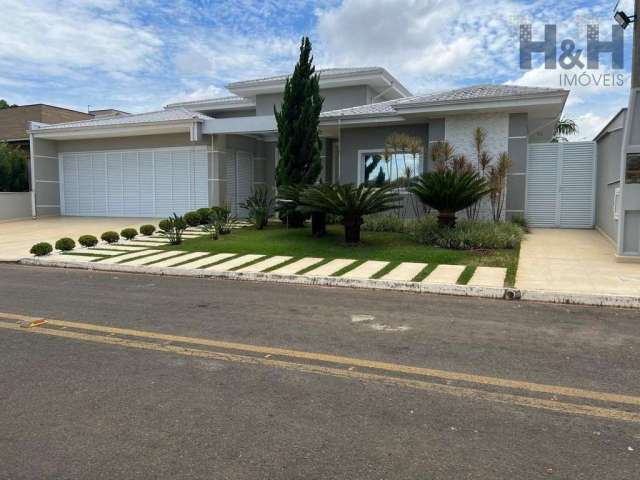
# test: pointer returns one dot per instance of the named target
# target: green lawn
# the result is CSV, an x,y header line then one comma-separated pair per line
x,y
392,247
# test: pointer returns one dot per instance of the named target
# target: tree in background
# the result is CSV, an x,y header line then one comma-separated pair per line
x,y
4,104
13,169
298,121
565,127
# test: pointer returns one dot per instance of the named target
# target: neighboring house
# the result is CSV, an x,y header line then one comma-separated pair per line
x,y
214,151
620,224
14,121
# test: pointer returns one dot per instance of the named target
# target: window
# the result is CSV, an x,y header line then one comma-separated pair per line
x,y
633,168
396,168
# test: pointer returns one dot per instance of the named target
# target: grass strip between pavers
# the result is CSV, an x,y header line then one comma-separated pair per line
x,y
348,268
217,262
87,254
385,270
283,264
466,275
164,259
317,265
257,260
425,272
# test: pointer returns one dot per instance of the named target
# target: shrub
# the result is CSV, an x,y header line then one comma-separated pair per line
x,y
385,222
147,230
351,203
88,241
40,249
468,235
174,227
449,192
259,206
522,222
164,225
110,237
13,169
221,219
192,219
204,215
129,233
65,244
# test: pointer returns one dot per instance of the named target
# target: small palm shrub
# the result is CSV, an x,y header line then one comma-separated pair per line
x,y
65,244
222,219
129,233
42,248
259,206
288,206
110,236
88,241
449,191
351,203
147,230
163,225
204,214
174,227
192,219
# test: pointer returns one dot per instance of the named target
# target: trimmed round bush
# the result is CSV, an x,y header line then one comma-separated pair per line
x,y
40,249
204,213
164,225
129,233
65,244
192,219
88,241
147,230
110,236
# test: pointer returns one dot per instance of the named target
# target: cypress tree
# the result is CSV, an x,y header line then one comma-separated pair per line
x,y
298,120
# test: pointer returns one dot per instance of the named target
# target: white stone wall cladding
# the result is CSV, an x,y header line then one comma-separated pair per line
x,y
459,133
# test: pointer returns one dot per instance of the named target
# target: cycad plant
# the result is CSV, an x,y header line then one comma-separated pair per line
x,y
449,191
259,206
173,228
351,203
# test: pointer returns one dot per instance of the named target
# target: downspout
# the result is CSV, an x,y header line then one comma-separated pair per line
x,y
339,149
33,176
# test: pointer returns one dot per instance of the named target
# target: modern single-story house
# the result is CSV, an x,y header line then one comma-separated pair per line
x,y
209,152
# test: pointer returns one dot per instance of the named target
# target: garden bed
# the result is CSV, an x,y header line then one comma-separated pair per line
x,y
392,247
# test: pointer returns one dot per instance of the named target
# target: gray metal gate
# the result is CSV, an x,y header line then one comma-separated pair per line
x,y
561,185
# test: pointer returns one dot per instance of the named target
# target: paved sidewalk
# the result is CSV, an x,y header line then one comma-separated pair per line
x,y
17,238
574,261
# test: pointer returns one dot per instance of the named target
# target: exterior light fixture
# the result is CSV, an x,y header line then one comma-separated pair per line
x,y
623,19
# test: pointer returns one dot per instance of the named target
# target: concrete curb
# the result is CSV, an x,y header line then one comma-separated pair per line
x,y
620,301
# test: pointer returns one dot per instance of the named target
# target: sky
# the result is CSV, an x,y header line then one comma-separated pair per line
x,y
139,55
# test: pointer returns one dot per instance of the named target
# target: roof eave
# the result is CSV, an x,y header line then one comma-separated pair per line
x,y
135,128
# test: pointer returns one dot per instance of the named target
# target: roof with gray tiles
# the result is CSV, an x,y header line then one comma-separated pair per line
x,y
325,72
173,114
461,95
230,100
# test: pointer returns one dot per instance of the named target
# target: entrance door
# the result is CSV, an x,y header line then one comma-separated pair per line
x,y
238,181
561,185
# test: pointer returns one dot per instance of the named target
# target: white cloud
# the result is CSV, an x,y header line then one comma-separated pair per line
x,y
58,38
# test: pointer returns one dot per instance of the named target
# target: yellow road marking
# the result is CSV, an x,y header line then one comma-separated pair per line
x,y
460,392
348,361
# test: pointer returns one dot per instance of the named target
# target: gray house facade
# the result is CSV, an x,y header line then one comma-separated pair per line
x,y
215,151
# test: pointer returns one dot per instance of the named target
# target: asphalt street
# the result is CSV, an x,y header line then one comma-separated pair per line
x,y
139,376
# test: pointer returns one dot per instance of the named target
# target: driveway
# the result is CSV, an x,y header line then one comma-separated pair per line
x,y
17,237
574,261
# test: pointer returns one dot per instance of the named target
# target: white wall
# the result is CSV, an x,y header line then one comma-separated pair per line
x,y
459,132
15,205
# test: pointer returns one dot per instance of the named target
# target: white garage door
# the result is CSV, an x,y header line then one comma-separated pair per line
x,y
134,183
238,174
561,185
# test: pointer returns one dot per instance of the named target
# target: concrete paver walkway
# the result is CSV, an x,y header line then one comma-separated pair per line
x,y
574,261
17,237
445,274
405,272
488,277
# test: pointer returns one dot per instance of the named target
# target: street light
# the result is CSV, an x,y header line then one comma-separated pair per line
x,y
623,19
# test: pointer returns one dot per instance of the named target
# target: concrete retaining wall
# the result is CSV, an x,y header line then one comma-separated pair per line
x,y
15,205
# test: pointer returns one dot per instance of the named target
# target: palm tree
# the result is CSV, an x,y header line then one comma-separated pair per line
x,y
450,191
564,127
351,203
